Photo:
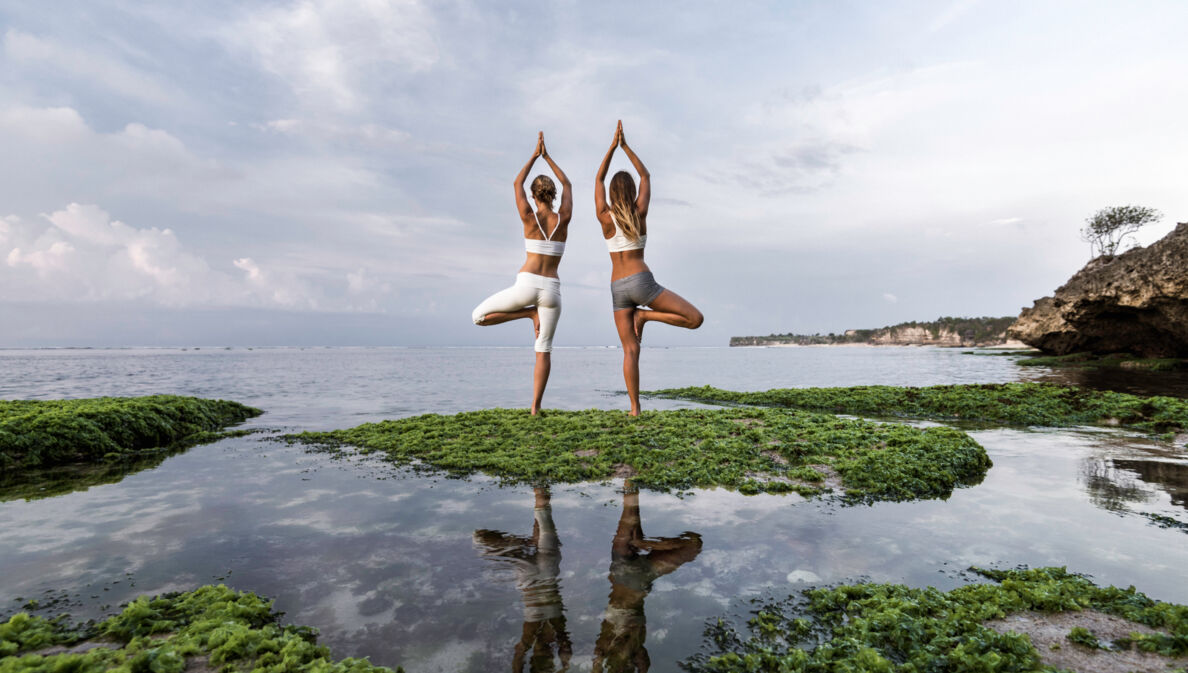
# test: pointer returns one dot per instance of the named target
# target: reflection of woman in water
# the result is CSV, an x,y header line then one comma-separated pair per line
x,y
537,562
636,562
536,293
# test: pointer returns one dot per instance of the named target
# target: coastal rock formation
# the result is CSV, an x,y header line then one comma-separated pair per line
x,y
1136,302
940,332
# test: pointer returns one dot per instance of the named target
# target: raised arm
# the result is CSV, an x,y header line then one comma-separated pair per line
x,y
645,178
566,210
600,206
521,198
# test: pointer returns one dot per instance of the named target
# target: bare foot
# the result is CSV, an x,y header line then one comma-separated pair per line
x,y
639,319
535,411
633,412
535,325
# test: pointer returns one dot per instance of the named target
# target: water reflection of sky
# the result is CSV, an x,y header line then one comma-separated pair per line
x,y
388,566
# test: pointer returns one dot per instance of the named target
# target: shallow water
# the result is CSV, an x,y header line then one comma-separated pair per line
x,y
445,575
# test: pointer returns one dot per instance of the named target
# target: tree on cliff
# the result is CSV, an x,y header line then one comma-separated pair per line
x,y
1108,227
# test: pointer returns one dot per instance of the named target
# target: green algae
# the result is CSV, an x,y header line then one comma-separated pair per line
x,y
43,433
1085,638
228,630
1024,404
1094,361
894,628
752,450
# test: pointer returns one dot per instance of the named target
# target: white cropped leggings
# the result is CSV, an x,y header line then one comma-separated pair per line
x,y
529,290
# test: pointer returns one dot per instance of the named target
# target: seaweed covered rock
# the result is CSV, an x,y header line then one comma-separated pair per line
x,y
1136,302
214,627
892,628
752,450
1029,404
38,433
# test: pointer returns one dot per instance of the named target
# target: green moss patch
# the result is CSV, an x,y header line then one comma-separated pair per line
x,y
1034,404
895,628
36,433
213,626
1119,360
749,449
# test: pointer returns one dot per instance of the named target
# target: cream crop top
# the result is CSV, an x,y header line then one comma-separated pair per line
x,y
619,242
548,246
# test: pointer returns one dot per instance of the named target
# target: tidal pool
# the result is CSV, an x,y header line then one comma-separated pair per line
x,y
436,574
446,575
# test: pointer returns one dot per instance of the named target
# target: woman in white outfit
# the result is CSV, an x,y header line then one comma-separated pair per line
x,y
536,293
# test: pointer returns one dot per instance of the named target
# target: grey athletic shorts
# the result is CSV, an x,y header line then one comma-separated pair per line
x,y
638,289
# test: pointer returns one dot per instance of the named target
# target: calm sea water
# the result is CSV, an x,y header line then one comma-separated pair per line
x,y
449,575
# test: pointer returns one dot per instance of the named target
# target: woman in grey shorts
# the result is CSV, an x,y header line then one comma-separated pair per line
x,y
624,222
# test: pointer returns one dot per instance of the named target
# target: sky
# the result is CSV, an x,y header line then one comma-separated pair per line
x,y
315,172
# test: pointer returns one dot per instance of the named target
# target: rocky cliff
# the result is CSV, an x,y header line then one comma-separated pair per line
x,y
1136,302
939,332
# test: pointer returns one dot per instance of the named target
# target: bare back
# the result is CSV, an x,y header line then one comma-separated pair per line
x,y
541,225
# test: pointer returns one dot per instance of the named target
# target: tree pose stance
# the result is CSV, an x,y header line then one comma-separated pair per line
x,y
536,293
624,221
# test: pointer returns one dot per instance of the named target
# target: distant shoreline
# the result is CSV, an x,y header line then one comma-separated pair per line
x,y
944,331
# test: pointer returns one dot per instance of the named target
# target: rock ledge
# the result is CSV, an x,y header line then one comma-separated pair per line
x,y
1136,302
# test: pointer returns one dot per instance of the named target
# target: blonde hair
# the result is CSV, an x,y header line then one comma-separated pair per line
x,y
543,189
622,203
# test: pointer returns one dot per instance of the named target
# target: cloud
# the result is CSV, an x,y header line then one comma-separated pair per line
x,y
1006,220
88,67
82,254
369,136
952,12
331,53
890,298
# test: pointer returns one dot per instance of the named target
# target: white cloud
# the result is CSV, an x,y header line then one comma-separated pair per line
x,y
371,136
328,52
90,67
81,254
890,298
954,11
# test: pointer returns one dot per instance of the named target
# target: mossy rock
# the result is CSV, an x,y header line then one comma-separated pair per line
x,y
213,626
894,628
1022,404
42,433
750,449
1116,360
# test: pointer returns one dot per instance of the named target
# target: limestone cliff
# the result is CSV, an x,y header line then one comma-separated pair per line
x,y
1136,302
940,332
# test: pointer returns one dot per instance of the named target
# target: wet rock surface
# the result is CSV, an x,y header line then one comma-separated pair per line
x,y
1136,302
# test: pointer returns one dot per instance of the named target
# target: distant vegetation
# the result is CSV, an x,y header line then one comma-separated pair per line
x,y
947,331
42,433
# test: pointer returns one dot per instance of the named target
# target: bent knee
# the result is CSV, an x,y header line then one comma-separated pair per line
x,y
478,318
696,319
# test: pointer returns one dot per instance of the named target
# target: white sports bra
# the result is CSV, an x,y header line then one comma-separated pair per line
x,y
619,242
548,246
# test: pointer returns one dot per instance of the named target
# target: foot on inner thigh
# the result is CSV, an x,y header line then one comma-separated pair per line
x,y
535,325
639,319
